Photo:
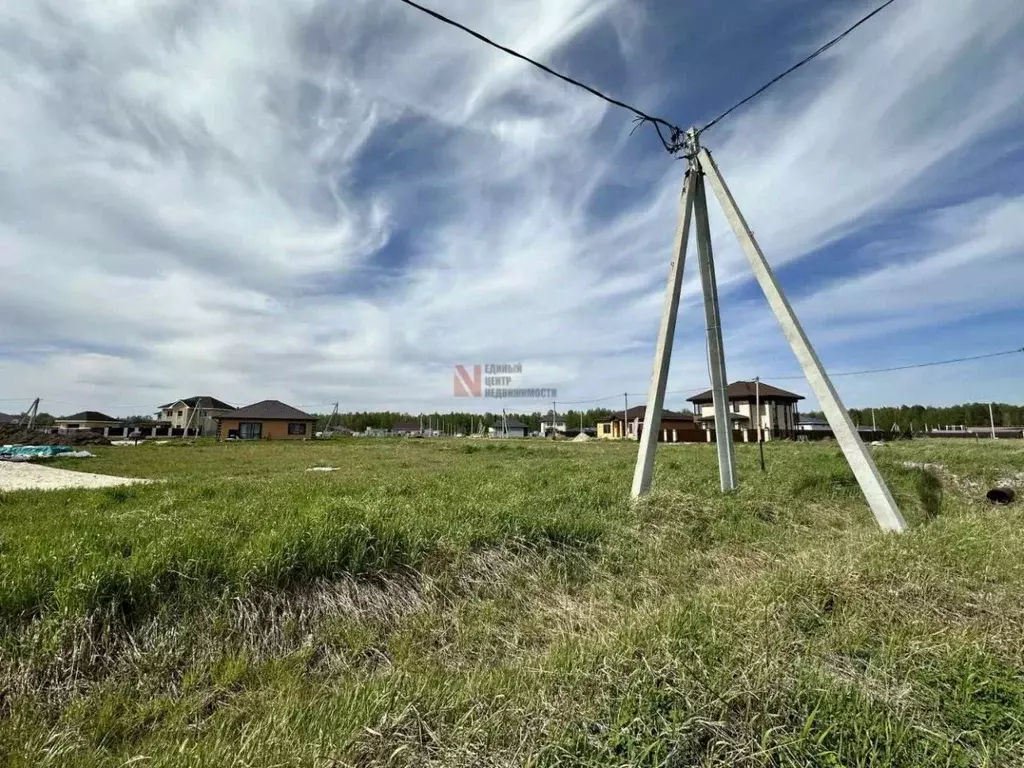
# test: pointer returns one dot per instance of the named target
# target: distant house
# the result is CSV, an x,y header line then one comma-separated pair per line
x,y
88,420
811,424
406,428
267,420
199,412
778,415
6,418
514,429
675,427
551,423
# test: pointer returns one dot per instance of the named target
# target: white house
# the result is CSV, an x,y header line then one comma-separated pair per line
x,y
514,429
778,415
812,424
546,426
198,412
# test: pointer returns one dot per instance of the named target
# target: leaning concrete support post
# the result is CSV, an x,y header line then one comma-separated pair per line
x,y
663,352
875,490
716,348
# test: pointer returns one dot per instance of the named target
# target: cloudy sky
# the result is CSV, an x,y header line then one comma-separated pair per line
x,y
339,201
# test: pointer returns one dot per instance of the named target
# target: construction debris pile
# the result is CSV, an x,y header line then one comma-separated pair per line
x,y
12,434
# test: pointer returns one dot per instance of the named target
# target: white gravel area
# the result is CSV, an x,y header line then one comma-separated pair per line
x,y
25,476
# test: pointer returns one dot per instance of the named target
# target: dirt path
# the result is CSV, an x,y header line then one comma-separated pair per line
x,y
24,476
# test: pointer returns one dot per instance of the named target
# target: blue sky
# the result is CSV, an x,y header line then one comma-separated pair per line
x,y
321,202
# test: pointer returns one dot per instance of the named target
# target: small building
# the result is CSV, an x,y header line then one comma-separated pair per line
x,y
778,415
266,420
7,418
511,428
199,413
93,421
812,424
675,427
406,428
551,424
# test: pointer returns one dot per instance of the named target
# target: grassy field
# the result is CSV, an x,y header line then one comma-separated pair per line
x,y
461,603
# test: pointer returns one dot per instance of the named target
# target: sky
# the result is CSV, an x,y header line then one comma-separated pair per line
x,y
322,202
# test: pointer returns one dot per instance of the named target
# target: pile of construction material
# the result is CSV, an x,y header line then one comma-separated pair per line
x,y
12,434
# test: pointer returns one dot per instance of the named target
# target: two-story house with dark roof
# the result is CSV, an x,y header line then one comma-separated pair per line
x,y
778,413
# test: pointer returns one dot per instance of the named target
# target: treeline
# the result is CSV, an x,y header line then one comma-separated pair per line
x,y
455,422
917,417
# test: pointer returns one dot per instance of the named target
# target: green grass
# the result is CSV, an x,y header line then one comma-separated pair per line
x,y
462,603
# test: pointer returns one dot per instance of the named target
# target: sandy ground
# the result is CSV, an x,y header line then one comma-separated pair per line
x,y
25,476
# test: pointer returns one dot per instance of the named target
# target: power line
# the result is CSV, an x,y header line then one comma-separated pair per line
x,y
864,372
909,367
797,66
672,144
691,390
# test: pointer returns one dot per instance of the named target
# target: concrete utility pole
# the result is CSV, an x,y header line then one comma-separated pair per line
x,y
663,352
757,407
874,427
712,317
877,493
625,414
29,417
992,421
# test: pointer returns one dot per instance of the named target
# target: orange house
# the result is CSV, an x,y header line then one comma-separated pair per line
x,y
265,420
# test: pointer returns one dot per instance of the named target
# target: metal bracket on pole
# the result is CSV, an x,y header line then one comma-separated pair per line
x,y
877,493
663,352
713,318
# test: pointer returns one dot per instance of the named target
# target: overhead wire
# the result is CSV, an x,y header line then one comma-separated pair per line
x,y
795,67
673,144
691,390
910,367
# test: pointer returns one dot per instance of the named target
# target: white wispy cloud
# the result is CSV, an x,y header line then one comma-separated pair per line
x,y
319,201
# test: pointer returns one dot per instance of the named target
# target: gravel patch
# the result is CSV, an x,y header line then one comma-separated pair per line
x,y
24,476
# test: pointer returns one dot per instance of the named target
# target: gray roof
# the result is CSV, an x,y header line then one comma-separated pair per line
x,y
512,424
6,418
268,410
203,401
89,416
811,420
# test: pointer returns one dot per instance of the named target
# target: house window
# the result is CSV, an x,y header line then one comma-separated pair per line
x,y
250,430
180,413
297,429
606,429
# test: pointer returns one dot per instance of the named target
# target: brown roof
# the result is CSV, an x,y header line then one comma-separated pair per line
x,y
744,390
640,412
268,410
